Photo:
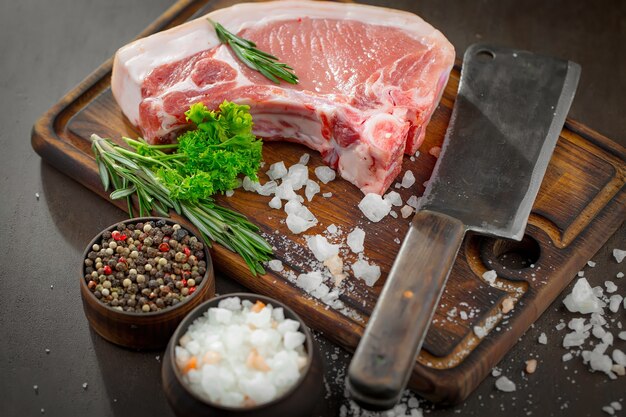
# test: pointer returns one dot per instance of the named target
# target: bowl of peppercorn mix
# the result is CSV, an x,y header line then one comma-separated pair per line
x,y
141,277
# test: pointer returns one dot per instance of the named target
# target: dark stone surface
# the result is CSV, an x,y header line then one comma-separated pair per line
x,y
48,47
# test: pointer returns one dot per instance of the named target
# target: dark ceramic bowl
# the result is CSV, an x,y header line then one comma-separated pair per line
x,y
142,330
299,400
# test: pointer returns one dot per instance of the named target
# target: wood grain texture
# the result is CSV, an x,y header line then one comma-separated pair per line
x,y
581,203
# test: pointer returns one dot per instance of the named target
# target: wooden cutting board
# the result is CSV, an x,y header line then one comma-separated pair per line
x,y
582,201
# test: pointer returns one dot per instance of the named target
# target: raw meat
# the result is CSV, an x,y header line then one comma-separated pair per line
x,y
370,79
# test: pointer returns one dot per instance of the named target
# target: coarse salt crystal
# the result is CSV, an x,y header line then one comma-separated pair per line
x,y
275,203
394,198
285,191
582,299
311,189
620,275
495,372
619,255
507,305
560,326
610,286
374,207
304,159
408,179
366,271
298,174
490,276
614,302
325,174
406,211
609,410
568,356
309,282
591,264
574,339
275,265
412,201
332,229
355,240
543,339
617,406
321,248
619,357
327,195
293,339
277,170
622,335
504,384
230,193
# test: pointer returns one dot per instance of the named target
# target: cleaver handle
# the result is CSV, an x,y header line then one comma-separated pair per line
x,y
386,355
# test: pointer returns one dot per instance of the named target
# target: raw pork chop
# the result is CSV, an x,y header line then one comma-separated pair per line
x,y
370,79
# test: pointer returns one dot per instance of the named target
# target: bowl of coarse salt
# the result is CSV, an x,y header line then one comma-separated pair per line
x,y
242,355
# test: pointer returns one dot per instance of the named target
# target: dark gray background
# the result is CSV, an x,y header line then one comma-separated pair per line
x,y
46,47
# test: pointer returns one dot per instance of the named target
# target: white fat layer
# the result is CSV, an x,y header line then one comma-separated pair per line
x,y
136,60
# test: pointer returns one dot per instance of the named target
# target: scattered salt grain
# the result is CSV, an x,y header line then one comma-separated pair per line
x,y
394,198
507,305
366,271
250,185
412,201
298,174
304,159
321,248
531,366
85,385
393,214
37,196
543,339
230,193
610,287
609,410
582,299
299,218
275,203
560,326
568,356
275,265
332,229
490,276
622,335
325,174
408,179
374,207
619,357
614,302
619,255
574,339
309,282
355,240
504,384
327,195
495,372
617,406
620,275
311,189
406,211
591,264
36,388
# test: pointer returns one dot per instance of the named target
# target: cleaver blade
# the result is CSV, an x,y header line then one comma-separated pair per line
x,y
510,109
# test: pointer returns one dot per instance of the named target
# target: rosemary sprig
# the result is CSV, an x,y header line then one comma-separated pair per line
x,y
254,58
133,174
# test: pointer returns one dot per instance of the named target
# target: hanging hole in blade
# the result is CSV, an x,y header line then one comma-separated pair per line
x,y
510,254
485,55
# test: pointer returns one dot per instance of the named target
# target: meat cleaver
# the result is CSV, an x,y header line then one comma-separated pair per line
x,y
510,109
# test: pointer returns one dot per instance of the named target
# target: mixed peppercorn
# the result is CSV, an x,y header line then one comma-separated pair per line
x,y
145,267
